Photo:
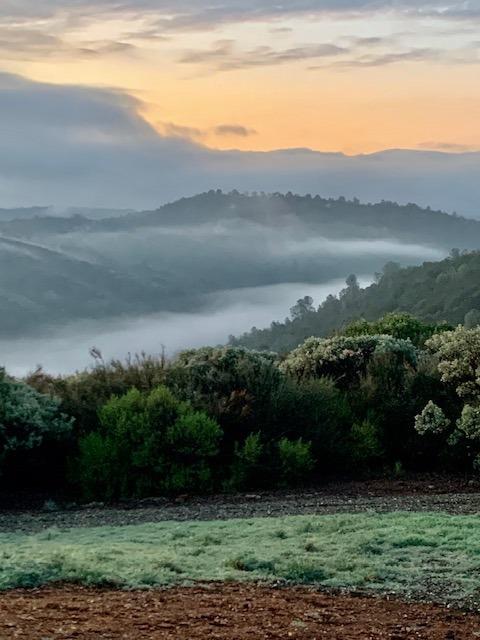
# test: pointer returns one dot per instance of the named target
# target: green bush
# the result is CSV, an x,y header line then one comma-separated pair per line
x,y
148,443
366,446
247,469
402,326
318,411
84,393
28,421
93,471
295,460
345,359
233,385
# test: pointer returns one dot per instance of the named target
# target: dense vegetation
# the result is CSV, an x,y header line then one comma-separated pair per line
x,y
435,292
229,418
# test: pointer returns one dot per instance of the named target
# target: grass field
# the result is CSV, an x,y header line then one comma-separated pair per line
x,y
436,556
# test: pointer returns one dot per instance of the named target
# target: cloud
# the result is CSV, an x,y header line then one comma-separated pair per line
x,y
171,129
384,59
224,56
281,30
170,15
451,147
20,43
234,130
68,145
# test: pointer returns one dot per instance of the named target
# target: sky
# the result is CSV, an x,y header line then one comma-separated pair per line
x,y
350,76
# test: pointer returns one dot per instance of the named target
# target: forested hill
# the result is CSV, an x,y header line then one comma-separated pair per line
x,y
332,218
446,291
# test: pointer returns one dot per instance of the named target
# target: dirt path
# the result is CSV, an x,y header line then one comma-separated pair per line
x,y
428,494
228,611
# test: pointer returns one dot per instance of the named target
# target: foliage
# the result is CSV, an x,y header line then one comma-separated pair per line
x,y
344,358
431,420
437,294
248,470
233,418
458,356
147,443
458,353
402,326
295,460
84,393
234,385
366,446
28,419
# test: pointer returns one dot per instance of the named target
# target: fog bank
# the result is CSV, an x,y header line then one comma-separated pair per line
x,y
230,312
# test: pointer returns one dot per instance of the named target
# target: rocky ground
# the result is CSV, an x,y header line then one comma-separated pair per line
x,y
224,611
434,493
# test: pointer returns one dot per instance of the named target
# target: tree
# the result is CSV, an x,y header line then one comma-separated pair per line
x,y
458,354
352,281
27,418
398,325
302,308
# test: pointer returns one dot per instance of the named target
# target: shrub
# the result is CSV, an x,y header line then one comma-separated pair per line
x,y
93,472
28,419
317,411
84,393
431,420
247,469
295,460
345,359
366,446
147,443
233,385
191,441
402,326
458,356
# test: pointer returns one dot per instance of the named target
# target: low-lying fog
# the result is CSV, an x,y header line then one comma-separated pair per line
x,y
230,312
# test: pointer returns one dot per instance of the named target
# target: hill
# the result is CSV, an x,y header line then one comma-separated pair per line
x,y
40,287
327,217
445,291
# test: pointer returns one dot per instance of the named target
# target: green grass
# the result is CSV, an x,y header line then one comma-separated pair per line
x,y
436,556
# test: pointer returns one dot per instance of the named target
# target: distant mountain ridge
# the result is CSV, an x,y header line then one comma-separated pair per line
x,y
333,218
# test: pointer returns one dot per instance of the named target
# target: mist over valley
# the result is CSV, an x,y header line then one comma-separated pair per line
x,y
193,272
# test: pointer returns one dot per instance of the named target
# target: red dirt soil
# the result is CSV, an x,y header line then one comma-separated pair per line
x,y
221,611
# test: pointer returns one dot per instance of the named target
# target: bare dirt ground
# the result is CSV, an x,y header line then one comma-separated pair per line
x,y
224,611
428,493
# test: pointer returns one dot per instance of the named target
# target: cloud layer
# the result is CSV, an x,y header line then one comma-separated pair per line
x,y
87,146
208,14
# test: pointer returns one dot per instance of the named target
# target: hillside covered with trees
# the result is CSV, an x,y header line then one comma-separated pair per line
x,y
436,292
329,217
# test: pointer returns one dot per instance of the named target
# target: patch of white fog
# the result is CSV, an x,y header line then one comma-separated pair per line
x,y
361,247
229,312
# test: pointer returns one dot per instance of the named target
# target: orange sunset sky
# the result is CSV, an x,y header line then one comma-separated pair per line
x,y
353,76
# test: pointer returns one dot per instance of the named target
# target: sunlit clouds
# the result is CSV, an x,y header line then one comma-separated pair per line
x,y
351,76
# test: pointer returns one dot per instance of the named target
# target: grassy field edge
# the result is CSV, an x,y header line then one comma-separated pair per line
x,y
432,556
